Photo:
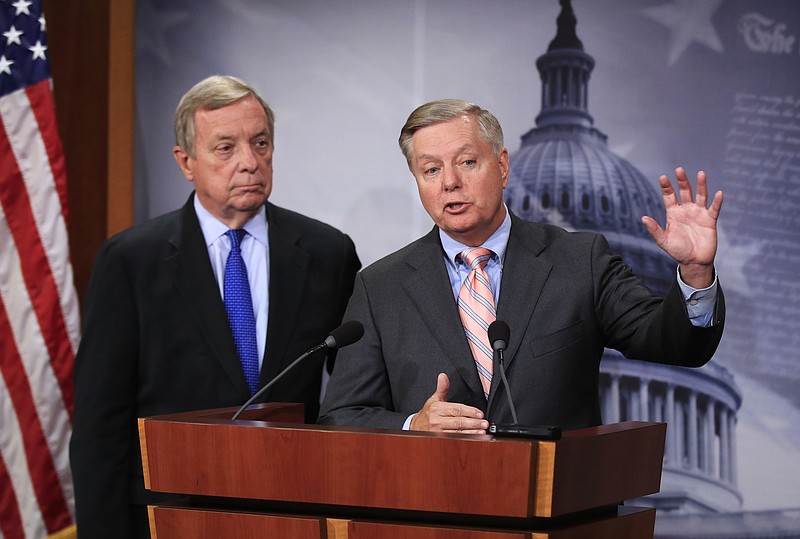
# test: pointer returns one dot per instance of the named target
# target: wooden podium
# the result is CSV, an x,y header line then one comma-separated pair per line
x,y
269,475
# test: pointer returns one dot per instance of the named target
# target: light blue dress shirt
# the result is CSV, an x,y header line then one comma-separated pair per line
x,y
458,270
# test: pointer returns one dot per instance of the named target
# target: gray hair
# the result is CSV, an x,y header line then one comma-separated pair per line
x,y
444,110
212,93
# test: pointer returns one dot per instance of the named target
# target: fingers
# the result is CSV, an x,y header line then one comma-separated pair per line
x,y
684,193
438,416
441,416
442,387
654,229
689,232
702,196
456,417
667,192
465,428
716,205
702,189
684,186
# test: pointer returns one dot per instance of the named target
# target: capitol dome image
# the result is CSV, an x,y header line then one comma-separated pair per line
x,y
565,174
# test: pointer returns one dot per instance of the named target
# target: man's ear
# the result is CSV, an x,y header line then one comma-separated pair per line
x,y
504,166
184,162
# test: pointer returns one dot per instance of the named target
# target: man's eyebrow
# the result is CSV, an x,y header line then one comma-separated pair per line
x,y
462,149
222,136
263,133
229,136
425,157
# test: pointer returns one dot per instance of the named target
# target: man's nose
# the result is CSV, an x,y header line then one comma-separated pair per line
x,y
451,178
247,159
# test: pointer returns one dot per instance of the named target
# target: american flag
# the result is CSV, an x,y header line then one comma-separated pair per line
x,y
39,320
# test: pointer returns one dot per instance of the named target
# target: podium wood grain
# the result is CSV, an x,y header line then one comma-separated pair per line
x,y
271,457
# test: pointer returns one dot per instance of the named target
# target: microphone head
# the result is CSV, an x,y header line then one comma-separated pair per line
x,y
346,334
499,335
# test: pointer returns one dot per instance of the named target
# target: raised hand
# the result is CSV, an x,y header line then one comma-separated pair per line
x,y
690,235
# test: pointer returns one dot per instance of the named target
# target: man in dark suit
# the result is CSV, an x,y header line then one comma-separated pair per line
x,y
157,338
565,296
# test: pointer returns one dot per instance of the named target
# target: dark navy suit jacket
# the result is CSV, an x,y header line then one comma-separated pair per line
x,y
156,340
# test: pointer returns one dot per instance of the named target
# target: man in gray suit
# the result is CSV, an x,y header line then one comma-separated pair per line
x,y
157,338
564,295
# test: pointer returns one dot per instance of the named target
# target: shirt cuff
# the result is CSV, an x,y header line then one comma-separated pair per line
x,y
700,303
407,424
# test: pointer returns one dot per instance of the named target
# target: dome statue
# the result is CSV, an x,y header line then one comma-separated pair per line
x,y
565,174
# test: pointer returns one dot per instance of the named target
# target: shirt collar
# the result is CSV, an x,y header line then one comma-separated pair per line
x,y
497,242
213,228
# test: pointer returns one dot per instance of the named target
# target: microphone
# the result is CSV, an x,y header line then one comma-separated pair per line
x,y
346,334
499,335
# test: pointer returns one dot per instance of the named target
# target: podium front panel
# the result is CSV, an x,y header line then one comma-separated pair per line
x,y
314,465
171,522
182,522
356,470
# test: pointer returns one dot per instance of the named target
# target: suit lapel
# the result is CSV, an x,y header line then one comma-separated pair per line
x,y
288,269
193,276
428,286
524,276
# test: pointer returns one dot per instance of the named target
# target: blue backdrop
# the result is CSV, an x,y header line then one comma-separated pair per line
x,y
705,84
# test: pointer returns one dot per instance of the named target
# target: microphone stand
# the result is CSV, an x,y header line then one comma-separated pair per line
x,y
346,334
278,377
499,353
498,333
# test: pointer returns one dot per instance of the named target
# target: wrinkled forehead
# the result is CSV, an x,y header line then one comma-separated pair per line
x,y
243,118
446,139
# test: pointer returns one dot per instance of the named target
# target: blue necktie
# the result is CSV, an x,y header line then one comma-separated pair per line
x,y
239,306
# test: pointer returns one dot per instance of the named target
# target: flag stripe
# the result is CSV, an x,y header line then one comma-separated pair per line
x,y
46,484
11,523
39,313
26,344
18,481
43,106
53,227
22,222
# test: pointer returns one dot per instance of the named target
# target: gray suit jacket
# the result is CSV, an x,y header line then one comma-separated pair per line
x,y
565,297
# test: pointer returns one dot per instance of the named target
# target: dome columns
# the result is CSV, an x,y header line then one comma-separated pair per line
x,y
700,416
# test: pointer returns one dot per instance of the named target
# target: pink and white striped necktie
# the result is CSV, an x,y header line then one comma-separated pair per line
x,y
476,307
